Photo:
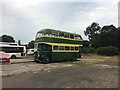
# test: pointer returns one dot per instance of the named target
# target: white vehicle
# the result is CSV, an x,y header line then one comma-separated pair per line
x,y
30,51
13,50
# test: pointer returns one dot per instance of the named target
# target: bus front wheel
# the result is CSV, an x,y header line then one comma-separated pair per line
x,y
46,60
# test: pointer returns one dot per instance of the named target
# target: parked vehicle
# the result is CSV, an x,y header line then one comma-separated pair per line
x,y
30,51
54,45
13,51
4,57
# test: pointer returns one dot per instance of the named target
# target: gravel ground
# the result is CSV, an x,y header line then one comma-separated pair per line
x,y
90,71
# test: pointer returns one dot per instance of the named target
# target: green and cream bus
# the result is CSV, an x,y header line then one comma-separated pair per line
x,y
55,45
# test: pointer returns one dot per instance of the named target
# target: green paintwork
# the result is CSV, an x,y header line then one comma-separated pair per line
x,y
59,56
56,56
50,31
57,40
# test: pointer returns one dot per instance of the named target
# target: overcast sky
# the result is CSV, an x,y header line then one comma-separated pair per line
x,y
23,18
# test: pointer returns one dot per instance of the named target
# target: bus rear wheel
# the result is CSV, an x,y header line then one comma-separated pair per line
x,y
46,60
74,58
37,61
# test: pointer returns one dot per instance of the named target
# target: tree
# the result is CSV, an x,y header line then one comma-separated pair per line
x,y
92,29
19,42
107,29
95,41
31,44
118,31
109,36
7,38
101,37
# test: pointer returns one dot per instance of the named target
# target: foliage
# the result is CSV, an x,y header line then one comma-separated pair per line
x,y
88,50
108,51
91,50
108,36
118,31
31,44
95,41
19,42
92,29
84,50
7,38
85,43
103,37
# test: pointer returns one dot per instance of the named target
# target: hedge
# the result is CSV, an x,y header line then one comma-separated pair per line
x,y
108,51
88,50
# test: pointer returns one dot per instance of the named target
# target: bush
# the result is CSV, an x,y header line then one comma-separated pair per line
x,y
91,50
88,50
108,51
83,50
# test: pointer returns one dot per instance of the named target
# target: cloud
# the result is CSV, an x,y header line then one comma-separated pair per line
x,y
22,19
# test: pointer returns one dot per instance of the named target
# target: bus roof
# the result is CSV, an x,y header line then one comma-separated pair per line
x,y
49,31
1,45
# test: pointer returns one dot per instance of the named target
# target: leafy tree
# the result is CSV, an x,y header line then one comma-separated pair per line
x,y
92,29
7,38
95,41
118,31
106,36
31,44
109,36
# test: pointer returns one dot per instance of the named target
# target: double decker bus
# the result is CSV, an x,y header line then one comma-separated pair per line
x,y
55,45
13,50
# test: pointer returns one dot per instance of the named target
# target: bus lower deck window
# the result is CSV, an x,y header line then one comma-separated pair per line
x,y
76,48
61,48
66,47
72,48
55,48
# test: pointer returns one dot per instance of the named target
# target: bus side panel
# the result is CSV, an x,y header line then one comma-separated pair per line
x,y
59,56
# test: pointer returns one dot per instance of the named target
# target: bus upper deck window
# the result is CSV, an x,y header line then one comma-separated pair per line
x,y
71,36
55,34
61,34
66,35
37,35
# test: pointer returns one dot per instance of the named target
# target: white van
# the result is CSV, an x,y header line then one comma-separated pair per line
x,y
30,51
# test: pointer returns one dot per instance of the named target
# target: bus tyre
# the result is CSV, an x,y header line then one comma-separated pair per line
x,y
37,61
46,60
13,56
74,58
80,56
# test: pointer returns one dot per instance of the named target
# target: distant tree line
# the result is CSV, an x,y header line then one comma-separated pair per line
x,y
7,38
105,36
10,39
98,36
31,44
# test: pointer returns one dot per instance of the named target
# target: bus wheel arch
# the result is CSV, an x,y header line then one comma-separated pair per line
x,y
74,58
80,55
13,56
46,59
